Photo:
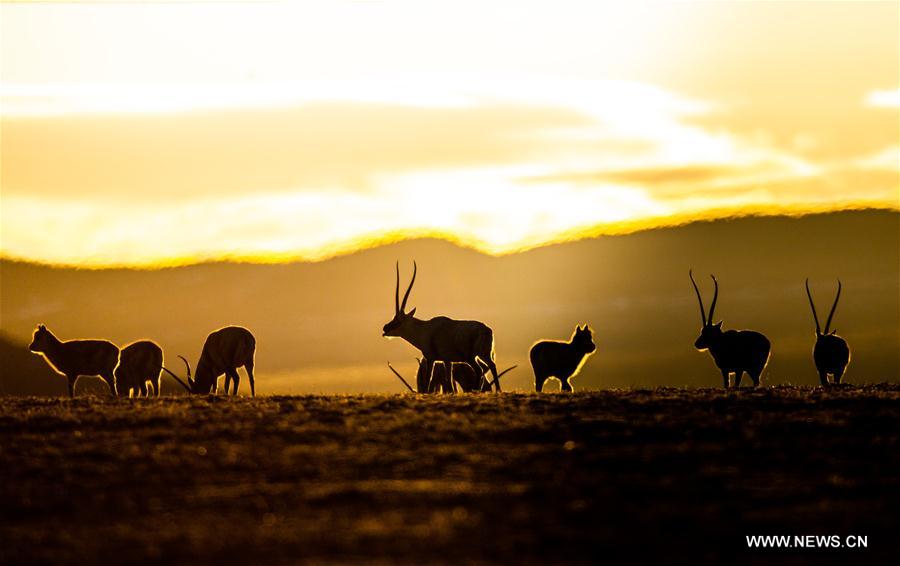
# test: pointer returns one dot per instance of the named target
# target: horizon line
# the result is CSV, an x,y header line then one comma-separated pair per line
x,y
378,240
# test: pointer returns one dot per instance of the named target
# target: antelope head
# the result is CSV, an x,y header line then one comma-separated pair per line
x,y
583,339
710,333
40,340
203,381
397,325
819,331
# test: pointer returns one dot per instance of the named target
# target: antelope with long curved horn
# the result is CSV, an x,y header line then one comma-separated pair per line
x,y
831,352
442,339
734,351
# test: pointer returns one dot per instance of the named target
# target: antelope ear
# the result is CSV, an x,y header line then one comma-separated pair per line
x,y
411,313
719,324
832,333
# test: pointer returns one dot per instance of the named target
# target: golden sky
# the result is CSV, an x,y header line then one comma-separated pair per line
x,y
146,134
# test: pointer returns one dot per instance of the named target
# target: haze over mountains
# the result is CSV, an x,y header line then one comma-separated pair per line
x,y
318,325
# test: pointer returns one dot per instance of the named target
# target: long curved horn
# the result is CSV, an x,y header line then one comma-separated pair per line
x,y
397,291
499,375
712,307
176,378
186,365
834,306
408,289
813,307
397,373
699,299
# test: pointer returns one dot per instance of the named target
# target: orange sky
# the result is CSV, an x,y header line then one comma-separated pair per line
x,y
146,134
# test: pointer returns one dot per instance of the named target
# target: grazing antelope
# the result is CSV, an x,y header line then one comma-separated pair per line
x,y
450,374
442,339
734,351
74,358
562,360
469,382
224,351
139,363
831,352
468,378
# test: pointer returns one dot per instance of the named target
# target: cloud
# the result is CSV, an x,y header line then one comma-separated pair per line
x,y
499,163
176,157
884,98
652,176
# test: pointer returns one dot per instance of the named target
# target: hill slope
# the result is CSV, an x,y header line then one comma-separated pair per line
x,y
319,324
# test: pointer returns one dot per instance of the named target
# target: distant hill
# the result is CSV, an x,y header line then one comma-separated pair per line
x,y
318,325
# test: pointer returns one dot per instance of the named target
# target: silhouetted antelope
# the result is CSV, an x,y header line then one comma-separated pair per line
x,y
427,377
561,360
74,358
831,352
139,363
442,339
734,351
468,379
224,351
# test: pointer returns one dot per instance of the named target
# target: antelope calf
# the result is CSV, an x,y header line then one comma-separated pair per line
x,y
734,351
831,352
561,360
224,351
74,358
139,363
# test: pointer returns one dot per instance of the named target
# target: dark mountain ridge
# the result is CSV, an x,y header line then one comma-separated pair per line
x,y
325,318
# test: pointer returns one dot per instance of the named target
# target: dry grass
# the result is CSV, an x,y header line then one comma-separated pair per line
x,y
675,475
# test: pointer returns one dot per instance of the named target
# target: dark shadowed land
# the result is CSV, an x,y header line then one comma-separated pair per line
x,y
318,325
618,476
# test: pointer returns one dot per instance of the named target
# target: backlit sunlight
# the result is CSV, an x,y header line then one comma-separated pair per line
x,y
156,134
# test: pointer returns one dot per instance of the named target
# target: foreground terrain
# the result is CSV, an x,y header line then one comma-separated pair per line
x,y
622,476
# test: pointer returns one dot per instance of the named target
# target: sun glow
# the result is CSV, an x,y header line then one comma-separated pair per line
x,y
269,132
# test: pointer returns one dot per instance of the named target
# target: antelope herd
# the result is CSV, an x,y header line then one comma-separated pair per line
x,y
456,354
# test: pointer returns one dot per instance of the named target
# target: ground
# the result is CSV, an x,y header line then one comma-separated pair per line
x,y
672,475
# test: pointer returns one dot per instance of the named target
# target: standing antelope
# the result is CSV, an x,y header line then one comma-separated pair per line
x,y
224,351
831,352
442,339
734,351
74,358
562,360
